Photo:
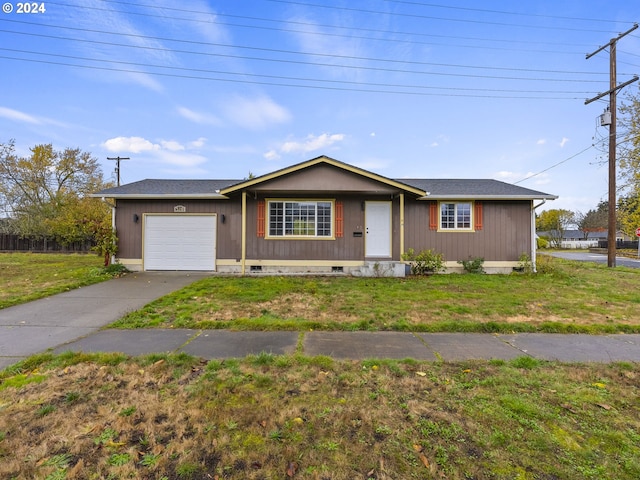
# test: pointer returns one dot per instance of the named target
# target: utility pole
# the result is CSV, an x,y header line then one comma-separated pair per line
x,y
117,159
613,90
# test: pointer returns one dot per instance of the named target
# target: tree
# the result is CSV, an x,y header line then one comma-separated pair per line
x,y
555,222
594,220
46,194
629,213
628,148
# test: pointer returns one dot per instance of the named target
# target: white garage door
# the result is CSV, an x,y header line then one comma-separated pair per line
x,y
180,242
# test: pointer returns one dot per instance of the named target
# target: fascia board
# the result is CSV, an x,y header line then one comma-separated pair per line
x,y
159,196
488,197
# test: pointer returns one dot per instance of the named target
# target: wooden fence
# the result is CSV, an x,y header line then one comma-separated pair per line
x,y
16,243
619,244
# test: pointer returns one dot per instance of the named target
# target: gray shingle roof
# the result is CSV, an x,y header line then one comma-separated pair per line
x,y
437,189
168,189
473,188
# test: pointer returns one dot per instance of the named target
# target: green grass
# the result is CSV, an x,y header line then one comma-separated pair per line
x,y
267,415
571,297
29,276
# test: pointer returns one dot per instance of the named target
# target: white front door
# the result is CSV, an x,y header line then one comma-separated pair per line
x,y
377,218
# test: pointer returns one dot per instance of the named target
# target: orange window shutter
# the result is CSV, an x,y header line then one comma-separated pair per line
x,y
339,220
261,219
478,215
433,216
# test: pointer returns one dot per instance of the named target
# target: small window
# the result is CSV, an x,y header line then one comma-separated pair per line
x,y
455,216
300,218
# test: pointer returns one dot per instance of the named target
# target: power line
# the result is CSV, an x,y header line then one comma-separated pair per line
x,y
319,87
429,17
350,29
306,79
323,55
432,5
554,165
352,36
502,12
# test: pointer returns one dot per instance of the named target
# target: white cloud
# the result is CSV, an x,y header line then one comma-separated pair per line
x,y
129,145
440,138
199,143
163,152
197,117
564,142
171,145
188,160
18,116
311,143
256,113
272,155
542,141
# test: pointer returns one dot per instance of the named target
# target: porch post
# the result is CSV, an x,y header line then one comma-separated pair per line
x,y
243,258
534,246
401,225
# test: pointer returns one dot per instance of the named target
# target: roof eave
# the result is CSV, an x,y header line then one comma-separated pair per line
x,y
487,197
161,196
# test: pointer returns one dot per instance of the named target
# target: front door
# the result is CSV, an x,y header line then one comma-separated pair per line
x,y
377,220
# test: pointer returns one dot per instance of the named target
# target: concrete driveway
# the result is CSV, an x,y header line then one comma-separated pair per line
x,y
37,326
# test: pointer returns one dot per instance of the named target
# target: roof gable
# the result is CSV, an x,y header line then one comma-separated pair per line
x,y
305,177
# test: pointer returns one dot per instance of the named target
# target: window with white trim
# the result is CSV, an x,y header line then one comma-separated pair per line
x,y
307,218
455,216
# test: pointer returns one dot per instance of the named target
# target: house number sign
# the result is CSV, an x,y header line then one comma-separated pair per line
x,y
179,209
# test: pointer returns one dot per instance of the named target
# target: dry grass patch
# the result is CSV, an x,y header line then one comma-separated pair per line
x,y
177,417
568,297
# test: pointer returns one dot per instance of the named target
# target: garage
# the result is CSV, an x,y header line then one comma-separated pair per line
x,y
179,242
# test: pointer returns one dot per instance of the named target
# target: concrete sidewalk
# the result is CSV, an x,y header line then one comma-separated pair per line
x,y
73,321
44,324
218,344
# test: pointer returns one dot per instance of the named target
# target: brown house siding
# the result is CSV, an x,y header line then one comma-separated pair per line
x,y
229,234
505,235
347,247
506,232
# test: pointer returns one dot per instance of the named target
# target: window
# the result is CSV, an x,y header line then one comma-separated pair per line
x,y
300,218
455,216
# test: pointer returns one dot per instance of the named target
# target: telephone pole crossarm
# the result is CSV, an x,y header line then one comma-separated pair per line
x,y
609,92
612,41
117,159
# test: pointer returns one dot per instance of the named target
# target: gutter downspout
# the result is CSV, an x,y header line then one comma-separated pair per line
x,y
243,259
534,246
401,225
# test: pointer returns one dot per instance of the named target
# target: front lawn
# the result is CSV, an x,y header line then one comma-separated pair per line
x,y
280,417
29,276
565,297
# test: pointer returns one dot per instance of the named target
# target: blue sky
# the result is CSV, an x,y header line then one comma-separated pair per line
x,y
404,88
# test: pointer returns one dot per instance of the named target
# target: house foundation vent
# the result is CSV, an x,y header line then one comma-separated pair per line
x,y
255,268
337,269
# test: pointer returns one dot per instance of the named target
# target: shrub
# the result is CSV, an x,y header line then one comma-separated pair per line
x,y
524,264
425,262
473,265
542,242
